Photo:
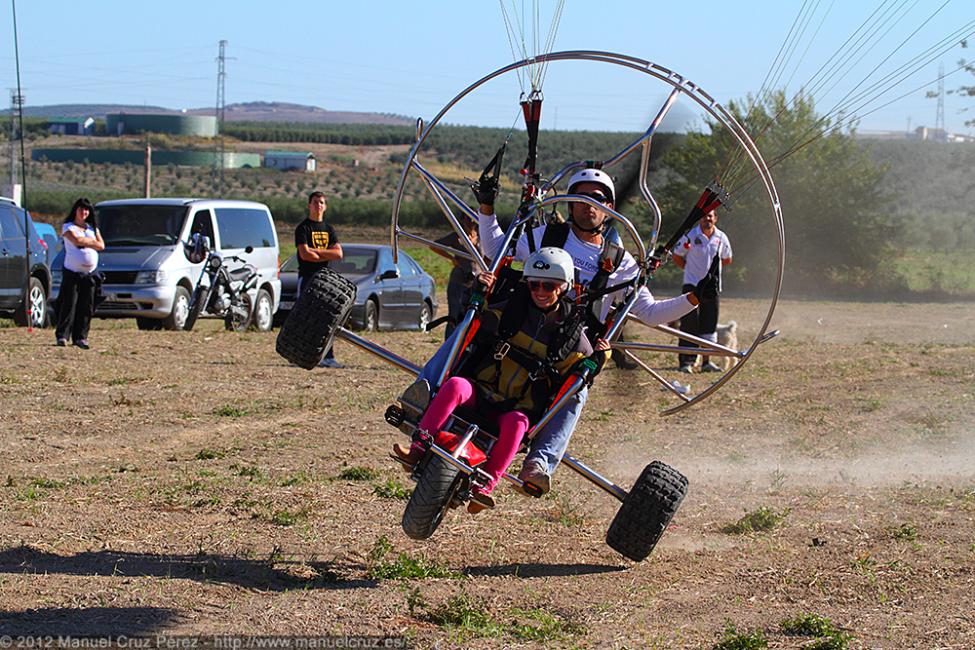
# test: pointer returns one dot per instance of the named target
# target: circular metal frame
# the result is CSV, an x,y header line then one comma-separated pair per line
x,y
680,87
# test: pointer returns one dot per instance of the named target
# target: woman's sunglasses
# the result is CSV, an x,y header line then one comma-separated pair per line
x,y
548,286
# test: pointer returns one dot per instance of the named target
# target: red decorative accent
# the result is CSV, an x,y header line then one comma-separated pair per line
x,y
449,441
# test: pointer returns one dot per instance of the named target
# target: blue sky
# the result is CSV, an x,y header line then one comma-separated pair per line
x,y
411,58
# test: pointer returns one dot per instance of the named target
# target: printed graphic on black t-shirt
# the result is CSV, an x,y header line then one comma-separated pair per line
x,y
314,234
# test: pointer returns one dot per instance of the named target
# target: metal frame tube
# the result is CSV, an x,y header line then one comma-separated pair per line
x,y
594,477
381,352
656,375
458,464
610,212
713,350
439,190
562,401
432,244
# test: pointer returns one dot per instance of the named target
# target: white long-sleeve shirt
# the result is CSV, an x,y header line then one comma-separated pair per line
x,y
586,258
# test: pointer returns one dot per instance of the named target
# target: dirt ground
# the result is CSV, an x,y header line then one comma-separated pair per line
x,y
194,482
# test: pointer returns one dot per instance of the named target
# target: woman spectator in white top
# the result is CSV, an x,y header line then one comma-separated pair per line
x,y
76,301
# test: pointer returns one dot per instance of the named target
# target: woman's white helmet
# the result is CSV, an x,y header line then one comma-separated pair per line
x,y
593,176
551,263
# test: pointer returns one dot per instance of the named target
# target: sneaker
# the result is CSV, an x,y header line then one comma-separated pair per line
x,y
330,363
535,473
686,368
83,344
710,367
479,501
62,343
417,395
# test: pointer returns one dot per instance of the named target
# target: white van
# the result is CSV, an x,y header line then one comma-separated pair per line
x,y
145,265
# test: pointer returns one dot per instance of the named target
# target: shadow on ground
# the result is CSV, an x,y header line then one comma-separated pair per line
x,y
537,570
253,574
87,621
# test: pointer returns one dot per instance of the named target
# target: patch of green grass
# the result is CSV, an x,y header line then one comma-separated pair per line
x,y
735,640
760,520
539,624
209,454
7,380
122,381
905,532
230,411
46,483
252,472
827,635
287,517
392,489
437,266
30,493
466,615
295,479
358,474
402,567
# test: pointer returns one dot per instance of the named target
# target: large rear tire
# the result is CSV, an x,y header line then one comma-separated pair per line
x,y
429,502
646,511
200,297
322,307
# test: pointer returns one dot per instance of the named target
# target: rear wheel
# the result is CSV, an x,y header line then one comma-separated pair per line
x,y
37,300
371,319
181,308
262,319
200,297
239,315
429,502
426,312
322,307
646,511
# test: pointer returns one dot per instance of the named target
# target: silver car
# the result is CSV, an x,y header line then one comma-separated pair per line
x,y
148,274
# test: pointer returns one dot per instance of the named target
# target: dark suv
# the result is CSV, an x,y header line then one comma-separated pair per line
x,y
14,274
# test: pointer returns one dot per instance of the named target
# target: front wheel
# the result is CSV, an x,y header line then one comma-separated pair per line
x,y
646,511
181,308
429,502
322,307
263,318
198,303
239,315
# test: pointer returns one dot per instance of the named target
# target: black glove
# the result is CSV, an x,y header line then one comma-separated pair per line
x,y
707,288
486,189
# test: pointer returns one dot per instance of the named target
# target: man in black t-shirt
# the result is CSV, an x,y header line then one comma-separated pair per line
x,y
317,245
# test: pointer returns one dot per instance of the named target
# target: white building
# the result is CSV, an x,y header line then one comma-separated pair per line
x,y
303,160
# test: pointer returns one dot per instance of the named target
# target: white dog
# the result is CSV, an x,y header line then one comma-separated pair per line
x,y
728,337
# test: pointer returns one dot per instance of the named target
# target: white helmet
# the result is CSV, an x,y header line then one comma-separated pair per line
x,y
593,176
551,263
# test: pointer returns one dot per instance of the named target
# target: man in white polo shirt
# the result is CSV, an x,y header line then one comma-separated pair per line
x,y
694,253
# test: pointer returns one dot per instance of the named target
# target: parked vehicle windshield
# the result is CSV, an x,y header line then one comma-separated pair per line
x,y
141,225
355,261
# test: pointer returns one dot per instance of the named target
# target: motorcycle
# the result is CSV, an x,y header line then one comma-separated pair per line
x,y
220,291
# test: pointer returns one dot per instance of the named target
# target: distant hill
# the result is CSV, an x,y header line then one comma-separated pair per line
x,y
245,112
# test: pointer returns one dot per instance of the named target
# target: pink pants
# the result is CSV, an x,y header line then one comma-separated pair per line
x,y
512,425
